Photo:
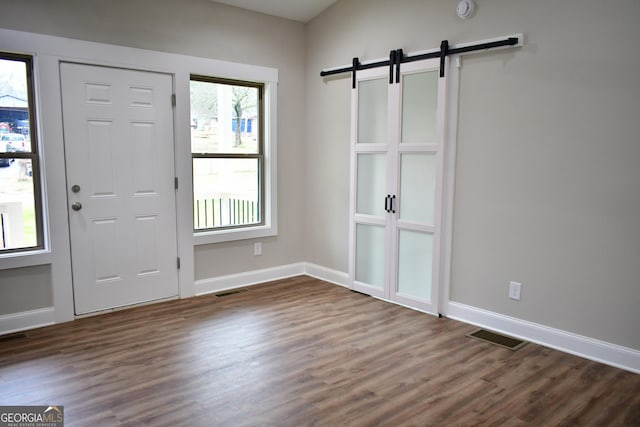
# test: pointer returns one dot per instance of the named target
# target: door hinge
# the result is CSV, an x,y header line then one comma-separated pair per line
x,y
176,182
178,263
173,100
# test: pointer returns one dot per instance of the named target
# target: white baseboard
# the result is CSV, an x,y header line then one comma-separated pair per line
x,y
16,322
336,277
249,278
589,348
255,277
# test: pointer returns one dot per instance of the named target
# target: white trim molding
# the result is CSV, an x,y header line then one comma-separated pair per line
x,y
336,277
16,322
256,277
589,348
248,278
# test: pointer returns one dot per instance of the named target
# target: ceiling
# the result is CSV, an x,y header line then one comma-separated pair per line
x,y
298,10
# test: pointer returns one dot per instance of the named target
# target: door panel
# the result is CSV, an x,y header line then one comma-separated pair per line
x,y
100,154
147,232
417,187
420,107
143,153
118,130
415,255
372,111
370,255
105,249
372,183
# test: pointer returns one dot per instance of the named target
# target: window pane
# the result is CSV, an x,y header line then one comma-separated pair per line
x,y
418,187
370,244
14,106
17,207
13,142
372,111
419,107
372,176
226,192
415,264
224,118
20,217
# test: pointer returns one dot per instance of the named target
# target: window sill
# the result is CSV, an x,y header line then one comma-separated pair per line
x,y
25,259
208,237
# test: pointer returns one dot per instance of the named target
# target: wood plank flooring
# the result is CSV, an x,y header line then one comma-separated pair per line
x,y
300,352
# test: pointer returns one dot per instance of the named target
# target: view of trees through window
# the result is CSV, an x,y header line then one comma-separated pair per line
x,y
20,216
227,151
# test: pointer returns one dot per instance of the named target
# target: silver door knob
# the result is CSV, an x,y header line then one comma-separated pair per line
x,y
76,206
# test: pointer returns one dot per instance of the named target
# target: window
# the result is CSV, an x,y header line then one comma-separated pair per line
x,y
20,191
228,154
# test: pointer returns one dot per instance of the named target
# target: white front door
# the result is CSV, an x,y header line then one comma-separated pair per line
x,y
118,137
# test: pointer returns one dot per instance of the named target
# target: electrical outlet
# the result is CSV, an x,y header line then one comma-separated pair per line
x,y
515,290
257,248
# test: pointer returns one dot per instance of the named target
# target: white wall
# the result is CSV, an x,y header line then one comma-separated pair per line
x,y
203,29
547,177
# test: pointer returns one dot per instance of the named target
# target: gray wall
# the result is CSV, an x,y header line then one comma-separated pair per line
x,y
24,289
547,177
198,28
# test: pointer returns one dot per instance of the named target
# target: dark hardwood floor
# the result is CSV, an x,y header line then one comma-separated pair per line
x,y
302,352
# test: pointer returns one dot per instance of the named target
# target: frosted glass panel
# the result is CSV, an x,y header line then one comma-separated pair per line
x,y
372,177
372,111
417,187
415,261
419,106
370,255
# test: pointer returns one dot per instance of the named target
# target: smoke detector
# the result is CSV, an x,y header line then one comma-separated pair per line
x,y
465,9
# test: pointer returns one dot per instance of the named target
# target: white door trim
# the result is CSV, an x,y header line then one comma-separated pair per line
x,y
448,184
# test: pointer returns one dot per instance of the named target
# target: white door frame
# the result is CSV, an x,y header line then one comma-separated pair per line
x,y
448,183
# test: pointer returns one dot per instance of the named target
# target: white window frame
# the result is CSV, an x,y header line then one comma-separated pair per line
x,y
31,256
270,225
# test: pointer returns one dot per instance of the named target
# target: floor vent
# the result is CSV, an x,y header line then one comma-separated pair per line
x,y
13,337
232,292
497,339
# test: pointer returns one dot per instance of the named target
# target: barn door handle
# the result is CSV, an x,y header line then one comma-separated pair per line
x,y
386,203
393,199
